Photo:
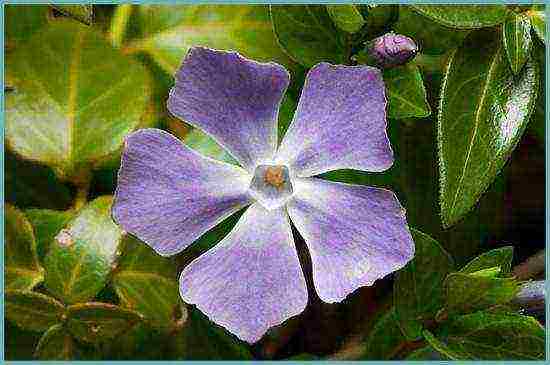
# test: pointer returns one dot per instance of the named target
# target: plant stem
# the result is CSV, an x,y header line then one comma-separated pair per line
x,y
82,191
120,24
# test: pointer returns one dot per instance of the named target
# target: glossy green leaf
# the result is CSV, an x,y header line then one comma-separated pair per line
x,y
22,269
464,16
80,259
99,322
147,282
83,13
489,336
418,287
499,257
466,293
346,17
70,107
384,338
32,311
201,339
56,344
425,353
537,126
166,32
538,20
47,224
21,189
431,37
516,34
307,34
483,112
22,21
406,93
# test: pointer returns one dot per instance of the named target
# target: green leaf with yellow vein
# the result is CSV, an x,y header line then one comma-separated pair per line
x,y
490,336
464,16
538,21
346,17
418,287
406,93
483,112
47,224
56,344
516,35
499,257
166,32
22,269
99,322
466,293
307,34
83,13
81,256
147,283
32,311
70,108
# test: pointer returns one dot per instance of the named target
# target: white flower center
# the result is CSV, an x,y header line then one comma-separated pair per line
x,y
271,185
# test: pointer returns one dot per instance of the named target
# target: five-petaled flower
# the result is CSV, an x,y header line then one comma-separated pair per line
x,y
168,195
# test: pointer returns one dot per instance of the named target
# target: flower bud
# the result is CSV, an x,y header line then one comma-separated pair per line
x,y
390,50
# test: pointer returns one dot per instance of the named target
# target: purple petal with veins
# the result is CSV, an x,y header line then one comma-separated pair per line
x,y
355,234
251,280
340,122
168,195
234,99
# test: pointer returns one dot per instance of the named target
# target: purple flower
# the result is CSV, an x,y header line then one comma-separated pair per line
x,y
169,195
391,49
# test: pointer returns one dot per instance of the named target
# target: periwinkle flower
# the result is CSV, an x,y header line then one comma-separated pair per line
x,y
168,195
391,50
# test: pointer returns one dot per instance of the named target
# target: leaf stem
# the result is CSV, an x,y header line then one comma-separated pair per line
x,y
82,191
119,24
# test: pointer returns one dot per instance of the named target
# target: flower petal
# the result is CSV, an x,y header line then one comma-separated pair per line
x,y
355,234
234,99
340,122
252,280
169,195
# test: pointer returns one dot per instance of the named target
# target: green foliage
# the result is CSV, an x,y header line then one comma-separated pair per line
x,y
147,282
406,93
82,13
499,257
464,16
538,20
22,21
483,112
81,257
55,344
31,310
517,40
486,336
346,17
307,34
418,287
384,338
78,112
47,224
22,269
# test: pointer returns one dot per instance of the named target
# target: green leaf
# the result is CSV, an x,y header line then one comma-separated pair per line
x,y
32,311
22,21
207,146
99,322
425,353
19,343
167,32
307,34
56,344
147,282
384,338
431,37
516,34
483,112
467,293
22,270
487,336
82,255
537,126
346,17
70,108
406,92
500,257
464,16
418,287
201,339
538,20
47,224
82,13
